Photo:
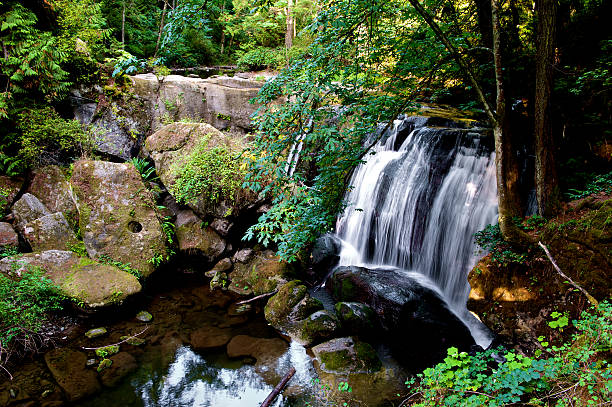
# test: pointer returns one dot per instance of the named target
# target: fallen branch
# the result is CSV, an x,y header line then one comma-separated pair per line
x,y
591,299
257,298
279,387
118,343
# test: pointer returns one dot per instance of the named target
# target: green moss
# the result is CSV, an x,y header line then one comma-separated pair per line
x,y
107,351
336,360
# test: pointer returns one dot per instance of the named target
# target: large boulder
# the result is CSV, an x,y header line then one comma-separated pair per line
x,y
89,283
8,236
50,185
69,370
326,253
9,188
221,101
417,321
115,134
27,209
355,317
263,272
171,146
347,355
50,232
194,237
117,215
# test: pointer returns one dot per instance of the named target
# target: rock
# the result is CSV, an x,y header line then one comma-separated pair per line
x,y
355,317
222,101
8,236
221,266
172,144
133,340
88,282
116,129
194,239
219,280
69,370
9,188
50,232
122,364
117,215
107,351
104,364
144,316
50,185
325,254
27,209
262,349
96,332
209,337
418,323
222,226
286,302
318,327
239,309
243,256
347,355
263,273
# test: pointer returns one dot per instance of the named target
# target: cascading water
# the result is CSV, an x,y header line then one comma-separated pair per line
x,y
416,204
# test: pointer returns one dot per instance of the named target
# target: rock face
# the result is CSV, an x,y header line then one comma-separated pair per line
x,y
116,135
262,273
90,283
69,370
172,144
416,320
347,355
117,214
325,254
194,239
9,188
220,101
50,185
50,232
8,236
356,317
27,209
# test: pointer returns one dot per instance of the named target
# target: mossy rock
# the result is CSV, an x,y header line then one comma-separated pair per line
x,y
50,185
50,232
86,281
118,217
356,317
9,188
69,370
347,355
263,273
316,328
281,304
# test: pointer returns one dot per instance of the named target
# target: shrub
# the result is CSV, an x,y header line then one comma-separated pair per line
x,y
599,183
212,173
491,239
25,299
575,373
47,138
261,58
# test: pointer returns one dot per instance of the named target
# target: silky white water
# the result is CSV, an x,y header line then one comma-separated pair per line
x,y
417,206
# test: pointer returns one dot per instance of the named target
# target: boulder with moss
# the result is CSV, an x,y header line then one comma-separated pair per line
x,y
50,185
194,237
89,283
117,215
202,167
8,236
316,328
347,355
50,232
263,272
356,317
27,209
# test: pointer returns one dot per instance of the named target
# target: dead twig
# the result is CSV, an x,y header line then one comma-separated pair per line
x,y
589,297
257,298
279,387
118,343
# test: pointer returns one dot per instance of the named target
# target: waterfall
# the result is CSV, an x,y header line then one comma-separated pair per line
x,y
416,203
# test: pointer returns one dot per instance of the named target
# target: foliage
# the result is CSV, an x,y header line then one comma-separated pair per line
x,y
145,168
47,138
600,183
26,296
213,173
574,373
491,240
105,259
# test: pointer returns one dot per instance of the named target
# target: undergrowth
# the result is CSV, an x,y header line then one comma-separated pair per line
x,y
575,373
600,183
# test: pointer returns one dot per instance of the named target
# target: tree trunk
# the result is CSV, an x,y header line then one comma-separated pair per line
x,y
546,180
290,25
123,26
161,29
506,164
222,29
483,12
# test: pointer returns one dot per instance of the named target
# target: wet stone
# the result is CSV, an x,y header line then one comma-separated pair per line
x,y
144,316
96,332
133,340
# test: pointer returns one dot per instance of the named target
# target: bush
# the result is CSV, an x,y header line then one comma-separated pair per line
x,y
25,299
261,58
212,173
575,373
46,138
491,240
